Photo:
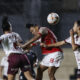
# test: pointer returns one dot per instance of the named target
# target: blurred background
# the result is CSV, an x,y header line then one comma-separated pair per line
x,y
21,12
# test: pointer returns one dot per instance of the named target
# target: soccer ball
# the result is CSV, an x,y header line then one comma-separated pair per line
x,y
53,18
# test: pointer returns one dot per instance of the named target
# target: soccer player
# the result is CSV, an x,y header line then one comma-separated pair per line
x,y
16,57
53,56
74,40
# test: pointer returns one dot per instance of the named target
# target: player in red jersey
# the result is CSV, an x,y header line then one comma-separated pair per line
x,y
53,56
74,40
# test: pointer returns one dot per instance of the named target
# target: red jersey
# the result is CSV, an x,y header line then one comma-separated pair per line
x,y
48,37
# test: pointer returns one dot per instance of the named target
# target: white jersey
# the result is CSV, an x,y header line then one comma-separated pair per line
x,y
8,42
76,38
77,51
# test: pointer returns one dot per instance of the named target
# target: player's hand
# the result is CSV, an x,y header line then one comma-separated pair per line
x,y
71,32
19,44
43,45
29,47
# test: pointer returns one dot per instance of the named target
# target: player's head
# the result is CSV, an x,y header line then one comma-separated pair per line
x,y
33,28
76,26
6,26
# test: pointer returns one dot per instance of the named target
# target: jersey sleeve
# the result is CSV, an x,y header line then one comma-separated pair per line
x,y
77,42
43,31
38,41
68,40
18,38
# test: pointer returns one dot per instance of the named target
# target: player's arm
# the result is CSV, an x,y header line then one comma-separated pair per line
x,y
57,44
74,46
42,31
19,40
31,41
29,46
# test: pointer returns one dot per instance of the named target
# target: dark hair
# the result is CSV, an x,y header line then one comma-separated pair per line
x,y
5,24
78,22
30,25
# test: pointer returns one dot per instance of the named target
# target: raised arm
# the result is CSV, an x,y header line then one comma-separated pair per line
x,y
74,46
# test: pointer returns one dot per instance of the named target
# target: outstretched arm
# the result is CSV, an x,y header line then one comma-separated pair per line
x,y
57,44
74,46
30,41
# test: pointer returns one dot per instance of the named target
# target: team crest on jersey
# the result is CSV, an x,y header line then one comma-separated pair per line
x,y
51,60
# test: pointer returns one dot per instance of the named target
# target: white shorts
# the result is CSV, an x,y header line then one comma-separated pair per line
x,y
77,56
4,63
52,59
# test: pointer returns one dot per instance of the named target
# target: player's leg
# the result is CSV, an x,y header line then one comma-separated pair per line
x,y
51,72
54,61
77,56
14,64
21,76
78,78
42,67
28,75
24,75
5,77
1,69
78,74
26,67
11,77
40,71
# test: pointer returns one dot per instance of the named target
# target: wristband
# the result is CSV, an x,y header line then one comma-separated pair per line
x,y
34,44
